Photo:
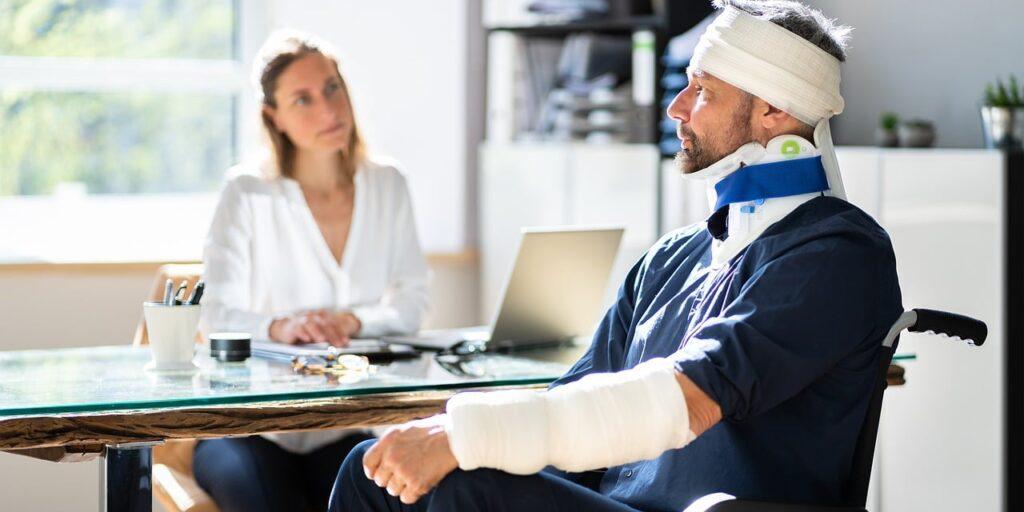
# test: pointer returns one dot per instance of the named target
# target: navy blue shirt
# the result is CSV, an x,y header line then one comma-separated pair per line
x,y
785,338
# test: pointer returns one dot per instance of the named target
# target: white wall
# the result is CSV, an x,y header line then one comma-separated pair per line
x,y
924,59
406,62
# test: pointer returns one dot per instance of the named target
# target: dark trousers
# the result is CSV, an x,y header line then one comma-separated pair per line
x,y
468,491
254,474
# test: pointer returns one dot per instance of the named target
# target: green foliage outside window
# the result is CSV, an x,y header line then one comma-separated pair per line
x,y
186,29
115,141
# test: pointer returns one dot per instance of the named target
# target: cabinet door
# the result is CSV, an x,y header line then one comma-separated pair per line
x,y
940,441
521,185
862,177
683,201
616,185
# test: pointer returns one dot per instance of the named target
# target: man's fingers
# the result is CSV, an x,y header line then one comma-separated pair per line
x,y
413,492
382,476
410,496
395,486
371,461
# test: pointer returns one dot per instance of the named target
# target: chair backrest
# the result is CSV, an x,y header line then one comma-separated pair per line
x,y
954,326
856,492
188,272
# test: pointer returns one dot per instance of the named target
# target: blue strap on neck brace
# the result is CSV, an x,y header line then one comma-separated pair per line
x,y
775,179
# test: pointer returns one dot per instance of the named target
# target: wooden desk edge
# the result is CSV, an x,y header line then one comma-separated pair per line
x,y
81,433
77,437
466,256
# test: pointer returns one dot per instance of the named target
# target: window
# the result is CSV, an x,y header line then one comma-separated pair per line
x,y
112,114
114,142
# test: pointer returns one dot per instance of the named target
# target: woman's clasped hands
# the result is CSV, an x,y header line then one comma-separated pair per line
x,y
320,325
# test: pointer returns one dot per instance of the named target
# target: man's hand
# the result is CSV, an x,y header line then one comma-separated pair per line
x,y
314,326
704,412
409,460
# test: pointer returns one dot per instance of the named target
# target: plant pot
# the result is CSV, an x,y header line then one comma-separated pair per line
x,y
886,138
1003,127
916,135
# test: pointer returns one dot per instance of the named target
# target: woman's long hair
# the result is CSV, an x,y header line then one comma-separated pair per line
x,y
280,51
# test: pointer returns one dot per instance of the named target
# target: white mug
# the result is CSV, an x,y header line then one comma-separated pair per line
x,y
172,335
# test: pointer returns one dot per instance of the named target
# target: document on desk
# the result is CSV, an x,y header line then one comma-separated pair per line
x,y
363,347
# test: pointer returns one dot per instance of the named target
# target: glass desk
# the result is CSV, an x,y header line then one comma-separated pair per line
x,y
100,399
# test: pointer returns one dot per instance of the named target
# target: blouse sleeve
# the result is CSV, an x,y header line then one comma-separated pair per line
x,y
227,271
405,300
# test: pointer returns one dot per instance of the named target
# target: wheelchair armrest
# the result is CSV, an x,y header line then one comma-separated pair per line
x,y
761,506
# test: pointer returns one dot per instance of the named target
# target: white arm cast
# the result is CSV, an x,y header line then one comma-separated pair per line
x,y
602,420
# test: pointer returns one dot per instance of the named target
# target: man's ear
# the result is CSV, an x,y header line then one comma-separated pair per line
x,y
770,118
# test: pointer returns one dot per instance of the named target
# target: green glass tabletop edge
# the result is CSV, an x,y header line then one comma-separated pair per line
x,y
155,405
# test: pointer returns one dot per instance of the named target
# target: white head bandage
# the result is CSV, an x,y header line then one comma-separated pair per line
x,y
780,67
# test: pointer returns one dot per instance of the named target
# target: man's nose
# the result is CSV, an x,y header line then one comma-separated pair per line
x,y
679,109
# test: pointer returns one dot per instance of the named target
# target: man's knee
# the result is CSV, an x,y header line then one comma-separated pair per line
x,y
351,480
353,463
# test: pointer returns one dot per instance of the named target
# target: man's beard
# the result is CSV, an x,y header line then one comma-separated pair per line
x,y
703,153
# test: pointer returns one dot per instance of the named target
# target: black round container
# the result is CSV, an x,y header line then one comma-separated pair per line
x,y
230,347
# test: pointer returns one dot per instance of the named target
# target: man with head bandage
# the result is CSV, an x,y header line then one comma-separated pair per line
x,y
740,354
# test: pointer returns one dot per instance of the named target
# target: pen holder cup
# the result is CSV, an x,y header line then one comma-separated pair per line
x,y
172,334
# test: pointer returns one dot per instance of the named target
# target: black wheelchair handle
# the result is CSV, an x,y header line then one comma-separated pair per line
x,y
950,324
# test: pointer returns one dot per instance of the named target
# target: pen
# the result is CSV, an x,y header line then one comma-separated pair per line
x,y
197,293
179,297
169,292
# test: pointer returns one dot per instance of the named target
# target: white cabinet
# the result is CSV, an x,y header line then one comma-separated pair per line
x,y
683,201
941,437
548,184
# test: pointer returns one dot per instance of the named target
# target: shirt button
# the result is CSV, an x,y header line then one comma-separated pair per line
x,y
628,473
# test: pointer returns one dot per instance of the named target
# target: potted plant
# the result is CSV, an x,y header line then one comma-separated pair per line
x,y
916,133
1002,115
885,134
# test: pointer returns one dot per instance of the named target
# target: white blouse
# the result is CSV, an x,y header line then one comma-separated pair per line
x,y
265,257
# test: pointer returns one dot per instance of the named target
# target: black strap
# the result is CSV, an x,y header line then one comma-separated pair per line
x,y
718,223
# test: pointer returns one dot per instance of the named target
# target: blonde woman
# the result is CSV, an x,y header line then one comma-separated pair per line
x,y
318,244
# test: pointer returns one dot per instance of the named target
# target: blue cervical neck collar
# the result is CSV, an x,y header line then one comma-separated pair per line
x,y
775,179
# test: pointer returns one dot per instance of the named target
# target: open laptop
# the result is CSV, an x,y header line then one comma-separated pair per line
x,y
552,295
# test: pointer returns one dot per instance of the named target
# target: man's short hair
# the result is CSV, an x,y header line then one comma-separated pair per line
x,y
800,19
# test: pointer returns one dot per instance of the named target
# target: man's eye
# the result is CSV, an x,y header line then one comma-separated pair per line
x,y
331,87
302,101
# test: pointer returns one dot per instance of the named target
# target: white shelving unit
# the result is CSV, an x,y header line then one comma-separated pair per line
x,y
524,183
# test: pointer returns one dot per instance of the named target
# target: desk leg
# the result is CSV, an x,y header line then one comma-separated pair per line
x,y
126,479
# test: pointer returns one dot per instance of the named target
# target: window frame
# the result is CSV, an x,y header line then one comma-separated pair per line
x,y
170,75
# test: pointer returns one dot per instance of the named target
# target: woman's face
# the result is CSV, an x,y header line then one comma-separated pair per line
x,y
313,107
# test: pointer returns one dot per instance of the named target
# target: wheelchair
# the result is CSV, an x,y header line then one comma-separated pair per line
x,y
957,327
